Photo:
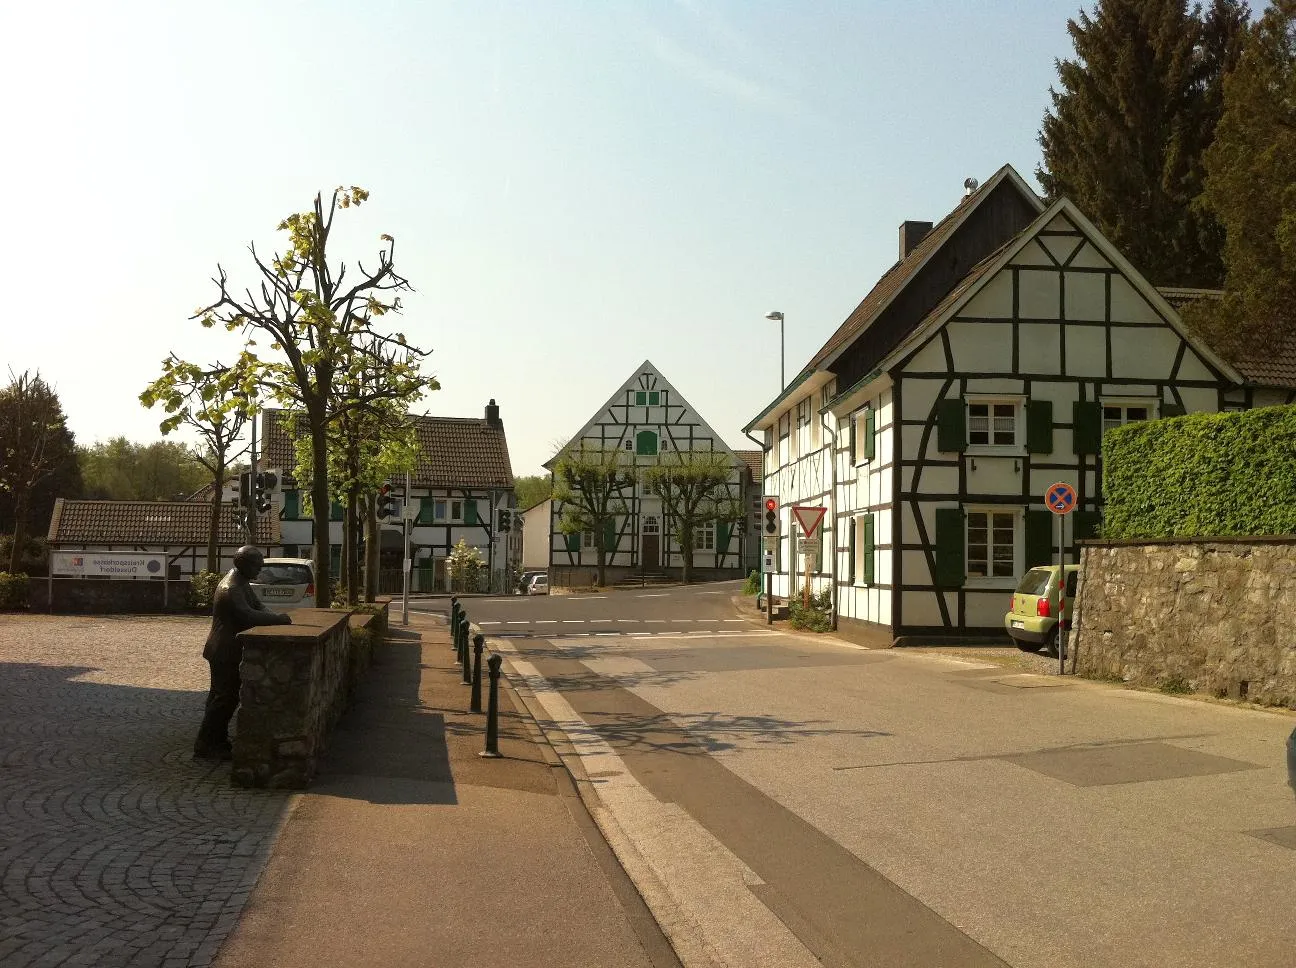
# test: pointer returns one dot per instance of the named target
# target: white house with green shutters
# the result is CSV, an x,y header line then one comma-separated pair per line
x,y
983,366
647,418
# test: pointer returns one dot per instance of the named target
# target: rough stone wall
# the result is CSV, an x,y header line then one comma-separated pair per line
x,y
1211,616
106,596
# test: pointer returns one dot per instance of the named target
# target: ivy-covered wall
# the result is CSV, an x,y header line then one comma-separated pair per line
x,y
1202,475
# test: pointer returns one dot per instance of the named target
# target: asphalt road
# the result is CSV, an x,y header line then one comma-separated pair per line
x,y
790,800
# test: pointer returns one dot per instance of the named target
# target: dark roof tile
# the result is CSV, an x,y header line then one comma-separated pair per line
x,y
150,523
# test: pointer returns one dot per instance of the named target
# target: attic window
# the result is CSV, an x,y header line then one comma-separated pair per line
x,y
641,398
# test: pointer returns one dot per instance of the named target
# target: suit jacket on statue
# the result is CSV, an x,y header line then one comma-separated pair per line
x,y
235,608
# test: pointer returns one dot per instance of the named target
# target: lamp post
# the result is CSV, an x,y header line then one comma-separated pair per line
x,y
782,377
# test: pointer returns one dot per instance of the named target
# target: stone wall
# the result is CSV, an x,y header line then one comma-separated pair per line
x,y
106,596
297,680
1216,616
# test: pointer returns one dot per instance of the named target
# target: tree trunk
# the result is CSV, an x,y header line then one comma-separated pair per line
x,y
20,532
373,547
686,554
213,525
320,506
350,553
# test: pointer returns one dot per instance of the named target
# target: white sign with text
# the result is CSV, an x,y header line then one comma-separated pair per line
x,y
107,564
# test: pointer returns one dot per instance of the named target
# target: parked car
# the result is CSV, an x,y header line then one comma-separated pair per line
x,y
1034,617
524,581
286,583
539,585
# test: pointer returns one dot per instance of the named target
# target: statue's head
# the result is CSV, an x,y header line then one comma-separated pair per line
x,y
248,560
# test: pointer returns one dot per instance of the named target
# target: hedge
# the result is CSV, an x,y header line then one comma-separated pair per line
x,y
1202,476
13,591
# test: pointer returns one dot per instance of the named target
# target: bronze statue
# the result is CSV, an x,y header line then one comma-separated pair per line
x,y
235,608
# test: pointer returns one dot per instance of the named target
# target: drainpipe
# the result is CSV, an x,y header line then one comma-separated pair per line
x,y
831,513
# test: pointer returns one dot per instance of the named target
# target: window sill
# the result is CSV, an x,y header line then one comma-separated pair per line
x,y
986,450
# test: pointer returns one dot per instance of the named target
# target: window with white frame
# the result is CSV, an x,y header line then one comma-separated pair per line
x,y
864,430
991,543
995,422
803,428
704,537
1117,412
651,525
587,539
438,511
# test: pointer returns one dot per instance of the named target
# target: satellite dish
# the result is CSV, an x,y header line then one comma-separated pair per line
x,y
970,184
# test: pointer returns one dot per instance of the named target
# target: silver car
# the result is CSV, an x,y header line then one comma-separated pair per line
x,y
286,583
539,585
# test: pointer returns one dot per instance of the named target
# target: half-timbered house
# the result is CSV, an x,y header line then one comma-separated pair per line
x,y
648,418
984,366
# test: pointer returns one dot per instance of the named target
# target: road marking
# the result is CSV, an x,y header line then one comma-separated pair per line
x,y
654,621
520,621
657,595
546,621
614,634
583,598
630,621
677,620
733,620
492,623
710,593
573,621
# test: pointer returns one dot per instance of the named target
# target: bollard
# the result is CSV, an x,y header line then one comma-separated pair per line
x,y
454,622
461,636
466,658
479,643
492,710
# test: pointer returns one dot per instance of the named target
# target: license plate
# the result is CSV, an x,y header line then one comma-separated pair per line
x,y
1018,625
278,593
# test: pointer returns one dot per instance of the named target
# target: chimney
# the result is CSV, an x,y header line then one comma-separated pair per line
x,y
492,415
911,233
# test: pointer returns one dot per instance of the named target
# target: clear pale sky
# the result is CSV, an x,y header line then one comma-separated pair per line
x,y
573,186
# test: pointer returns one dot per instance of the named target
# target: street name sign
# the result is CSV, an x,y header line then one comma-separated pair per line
x,y
810,546
809,518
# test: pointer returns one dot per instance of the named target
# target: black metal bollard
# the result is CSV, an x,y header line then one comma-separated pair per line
x,y
454,622
462,649
479,643
467,658
492,710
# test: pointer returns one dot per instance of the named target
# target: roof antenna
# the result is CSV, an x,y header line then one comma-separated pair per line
x,y
969,186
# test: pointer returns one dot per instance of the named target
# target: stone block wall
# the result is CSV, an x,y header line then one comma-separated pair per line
x,y
106,596
1216,616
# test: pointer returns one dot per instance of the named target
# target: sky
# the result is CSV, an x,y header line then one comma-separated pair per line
x,y
573,187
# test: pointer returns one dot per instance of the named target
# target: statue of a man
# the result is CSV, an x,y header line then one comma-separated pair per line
x,y
235,608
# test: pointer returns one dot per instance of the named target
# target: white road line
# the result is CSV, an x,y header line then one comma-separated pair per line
x,y
628,621
491,623
584,598
657,595
733,620
677,620
546,621
710,593
654,621
512,622
613,634
573,621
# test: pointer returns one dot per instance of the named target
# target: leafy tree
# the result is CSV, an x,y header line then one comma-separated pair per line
x,y
466,566
121,470
1127,131
694,489
38,460
214,402
532,489
589,483
1251,188
323,330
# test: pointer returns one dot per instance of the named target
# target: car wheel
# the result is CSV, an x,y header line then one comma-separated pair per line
x,y
1028,646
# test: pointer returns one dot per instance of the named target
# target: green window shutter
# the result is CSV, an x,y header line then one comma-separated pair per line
x,y
1172,410
870,427
722,537
335,560
1039,537
853,458
291,505
1086,419
654,398
646,443
641,398
851,550
951,426
1039,426
470,513
427,508
609,535
870,550
573,542
335,511
951,548
1086,524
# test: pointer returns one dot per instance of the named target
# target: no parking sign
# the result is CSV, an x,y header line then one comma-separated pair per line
x,y
1060,498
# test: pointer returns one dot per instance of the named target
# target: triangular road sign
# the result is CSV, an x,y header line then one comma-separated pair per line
x,y
809,519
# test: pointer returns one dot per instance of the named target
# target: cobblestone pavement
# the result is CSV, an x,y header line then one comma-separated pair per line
x,y
116,848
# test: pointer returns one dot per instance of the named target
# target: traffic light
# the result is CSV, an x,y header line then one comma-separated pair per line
x,y
245,490
772,516
265,485
387,506
505,519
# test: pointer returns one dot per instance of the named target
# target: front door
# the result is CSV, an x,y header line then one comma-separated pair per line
x,y
650,546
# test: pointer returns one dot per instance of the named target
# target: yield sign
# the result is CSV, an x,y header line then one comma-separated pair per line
x,y
809,519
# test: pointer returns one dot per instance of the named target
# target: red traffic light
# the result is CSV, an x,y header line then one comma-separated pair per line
x,y
771,504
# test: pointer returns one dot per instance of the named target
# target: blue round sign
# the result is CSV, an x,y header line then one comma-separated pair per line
x,y
1060,498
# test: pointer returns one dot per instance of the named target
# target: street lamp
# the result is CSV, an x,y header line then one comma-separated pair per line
x,y
775,314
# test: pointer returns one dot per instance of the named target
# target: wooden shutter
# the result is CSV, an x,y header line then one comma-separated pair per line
x,y
1172,410
870,550
1039,426
646,443
951,426
1040,529
574,541
722,537
870,447
291,500
850,568
951,549
853,458
1086,421
470,512
427,510
1086,524
609,535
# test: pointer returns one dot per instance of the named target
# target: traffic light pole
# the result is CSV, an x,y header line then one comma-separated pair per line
x,y
405,562
251,508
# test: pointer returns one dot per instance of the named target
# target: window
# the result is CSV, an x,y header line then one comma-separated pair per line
x,y
651,525
456,510
1116,413
438,510
803,427
704,536
641,398
863,440
587,539
991,544
829,391
654,398
992,423
630,445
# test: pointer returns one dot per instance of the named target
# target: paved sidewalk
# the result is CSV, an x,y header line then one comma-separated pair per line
x,y
410,849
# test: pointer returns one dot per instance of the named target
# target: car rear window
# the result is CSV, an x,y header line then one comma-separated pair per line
x,y
284,575
1034,582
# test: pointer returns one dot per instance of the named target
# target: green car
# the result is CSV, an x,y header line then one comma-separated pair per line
x,y
1033,619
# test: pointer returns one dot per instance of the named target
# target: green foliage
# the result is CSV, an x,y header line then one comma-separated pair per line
x,y
591,484
13,591
1136,110
120,470
752,585
694,488
32,558
532,489
467,568
1251,189
1175,685
815,617
202,586
1202,475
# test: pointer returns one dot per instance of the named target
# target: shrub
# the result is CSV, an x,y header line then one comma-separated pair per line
x,y
13,591
1203,475
752,585
815,617
202,586
33,558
